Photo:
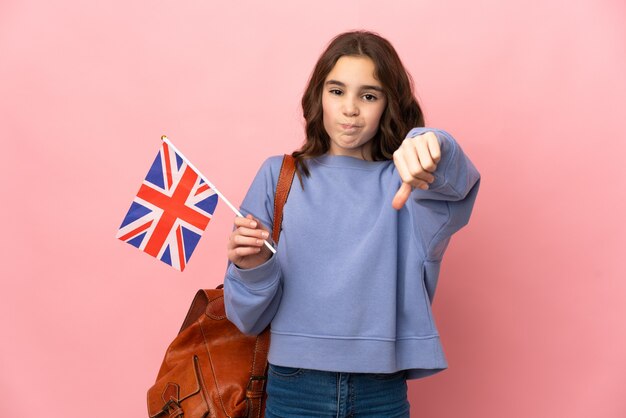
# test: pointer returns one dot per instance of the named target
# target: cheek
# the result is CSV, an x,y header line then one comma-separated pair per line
x,y
328,113
327,107
326,116
376,116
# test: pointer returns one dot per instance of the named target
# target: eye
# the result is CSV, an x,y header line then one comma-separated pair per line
x,y
335,92
370,97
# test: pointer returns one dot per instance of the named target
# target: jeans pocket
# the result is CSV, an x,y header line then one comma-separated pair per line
x,y
284,371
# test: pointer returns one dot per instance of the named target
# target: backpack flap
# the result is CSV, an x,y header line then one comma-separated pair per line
x,y
177,389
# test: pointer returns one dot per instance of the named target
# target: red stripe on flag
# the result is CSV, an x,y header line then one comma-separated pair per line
x,y
136,231
201,189
168,166
181,255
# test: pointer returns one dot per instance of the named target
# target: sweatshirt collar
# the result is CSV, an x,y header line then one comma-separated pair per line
x,y
343,161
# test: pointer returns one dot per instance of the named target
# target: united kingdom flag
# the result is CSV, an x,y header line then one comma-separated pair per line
x,y
171,210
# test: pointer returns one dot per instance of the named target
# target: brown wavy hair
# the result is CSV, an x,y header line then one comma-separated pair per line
x,y
402,111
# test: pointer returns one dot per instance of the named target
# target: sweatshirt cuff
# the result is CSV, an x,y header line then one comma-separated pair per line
x,y
259,277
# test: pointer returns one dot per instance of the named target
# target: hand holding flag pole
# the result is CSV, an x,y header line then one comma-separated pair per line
x,y
221,196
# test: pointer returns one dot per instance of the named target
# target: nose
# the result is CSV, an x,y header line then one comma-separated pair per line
x,y
350,106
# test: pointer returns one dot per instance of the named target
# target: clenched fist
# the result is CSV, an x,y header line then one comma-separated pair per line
x,y
416,161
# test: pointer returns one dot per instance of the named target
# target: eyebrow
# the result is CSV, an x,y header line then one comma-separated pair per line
x,y
366,87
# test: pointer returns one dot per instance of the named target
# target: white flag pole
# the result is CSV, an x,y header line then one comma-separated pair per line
x,y
221,196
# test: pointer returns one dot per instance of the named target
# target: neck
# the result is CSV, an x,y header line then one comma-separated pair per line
x,y
363,153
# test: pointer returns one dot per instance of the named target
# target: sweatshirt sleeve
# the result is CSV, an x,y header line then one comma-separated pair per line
x,y
446,206
252,296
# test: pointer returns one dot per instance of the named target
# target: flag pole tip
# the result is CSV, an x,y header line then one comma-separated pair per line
x,y
163,137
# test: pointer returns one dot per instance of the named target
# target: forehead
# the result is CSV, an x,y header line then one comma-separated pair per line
x,y
356,70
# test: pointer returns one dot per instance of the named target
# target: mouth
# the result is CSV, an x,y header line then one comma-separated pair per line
x,y
349,126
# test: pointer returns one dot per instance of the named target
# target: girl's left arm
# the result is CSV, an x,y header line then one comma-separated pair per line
x,y
445,185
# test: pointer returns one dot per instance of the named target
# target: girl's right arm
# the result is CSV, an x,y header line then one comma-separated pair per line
x,y
252,288
253,280
252,296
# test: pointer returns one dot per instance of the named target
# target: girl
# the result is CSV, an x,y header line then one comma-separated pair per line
x,y
349,291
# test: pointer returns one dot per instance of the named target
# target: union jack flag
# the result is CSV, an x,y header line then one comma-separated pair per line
x,y
171,210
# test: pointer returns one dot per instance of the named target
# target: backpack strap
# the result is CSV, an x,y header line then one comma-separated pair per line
x,y
285,178
255,391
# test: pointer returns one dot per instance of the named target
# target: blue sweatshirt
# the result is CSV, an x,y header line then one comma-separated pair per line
x,y
351,284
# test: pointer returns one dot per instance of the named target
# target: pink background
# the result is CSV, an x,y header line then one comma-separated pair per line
x,y
531,301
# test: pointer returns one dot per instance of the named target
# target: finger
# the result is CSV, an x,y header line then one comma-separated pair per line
x,y
434,147
241,252
425,159
402,195
248,221
244,241
248,232
401,165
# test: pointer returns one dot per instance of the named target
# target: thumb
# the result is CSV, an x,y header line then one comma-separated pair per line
x,y
402,195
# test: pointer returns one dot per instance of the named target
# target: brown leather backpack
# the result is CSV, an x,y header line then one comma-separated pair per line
x,y
211,369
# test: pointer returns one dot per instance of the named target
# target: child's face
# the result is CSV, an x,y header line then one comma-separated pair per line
x,y
352,102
